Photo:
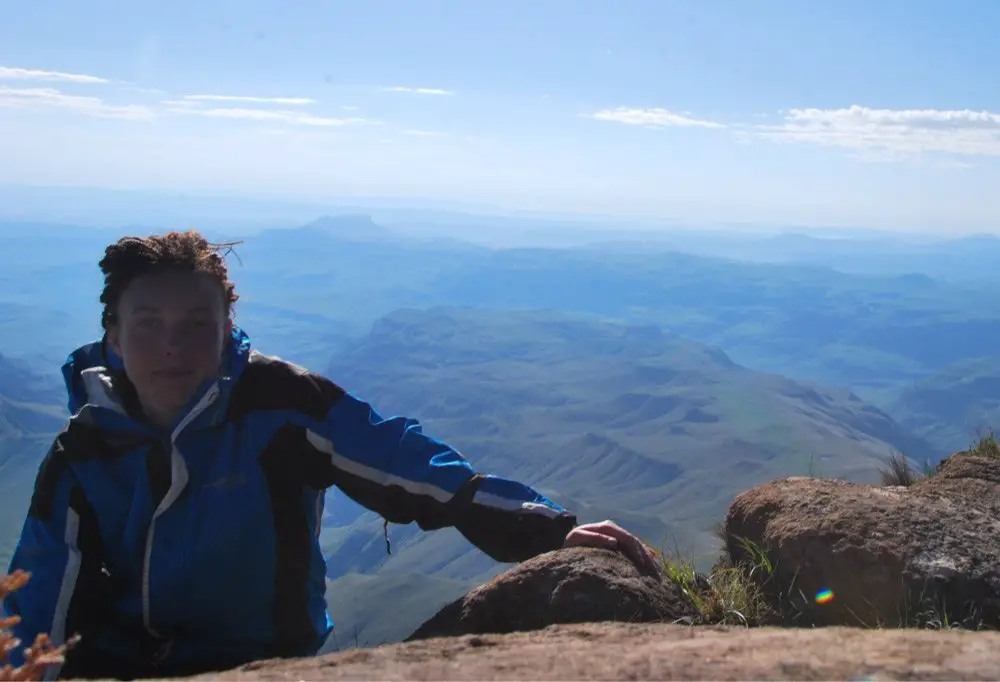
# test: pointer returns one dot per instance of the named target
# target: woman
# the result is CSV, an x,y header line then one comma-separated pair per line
x,y
174,523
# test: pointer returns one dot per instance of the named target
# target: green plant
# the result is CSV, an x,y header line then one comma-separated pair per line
x,y
987,445
749,584
733,593
812,470
930,610
681,572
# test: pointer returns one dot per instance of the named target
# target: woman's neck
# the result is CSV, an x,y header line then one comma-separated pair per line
x,y
160,419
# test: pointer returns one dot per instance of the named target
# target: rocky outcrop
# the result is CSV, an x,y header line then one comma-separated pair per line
x,y
825,552
609,651
927,554
573,585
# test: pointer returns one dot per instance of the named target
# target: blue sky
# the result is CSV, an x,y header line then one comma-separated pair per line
x,y
881,113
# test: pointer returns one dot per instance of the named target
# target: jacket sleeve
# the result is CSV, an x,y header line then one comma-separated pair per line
x,y
391,467
47,549
56,547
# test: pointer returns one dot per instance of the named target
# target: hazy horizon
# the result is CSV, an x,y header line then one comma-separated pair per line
x,y
153,208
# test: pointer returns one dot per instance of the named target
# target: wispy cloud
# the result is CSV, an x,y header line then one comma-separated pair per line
x,y
651,118
12,73
290,101
50,98
419,91
275,115
145,91
899,133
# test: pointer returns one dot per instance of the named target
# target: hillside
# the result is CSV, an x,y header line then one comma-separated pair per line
x,y
952,407
613,421
304,291
873,332
639,406
408,598
30,415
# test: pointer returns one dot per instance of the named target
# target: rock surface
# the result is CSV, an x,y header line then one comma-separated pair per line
x,y
928,553
574,585
627,651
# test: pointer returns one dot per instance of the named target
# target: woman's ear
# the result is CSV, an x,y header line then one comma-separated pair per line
x,y
114,339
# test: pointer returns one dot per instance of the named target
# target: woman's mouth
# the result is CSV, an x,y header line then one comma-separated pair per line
x,y
173,373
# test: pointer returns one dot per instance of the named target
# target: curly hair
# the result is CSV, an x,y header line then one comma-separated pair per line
x,y
132,257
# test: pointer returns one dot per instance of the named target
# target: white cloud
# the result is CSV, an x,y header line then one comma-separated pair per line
x,y
651,118
892,133
350,107
145,91
291,101
34,98
278,115
419,91
11,73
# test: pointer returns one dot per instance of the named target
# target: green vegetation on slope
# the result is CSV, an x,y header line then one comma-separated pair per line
x,y
954,406
629,419
874,333
30,416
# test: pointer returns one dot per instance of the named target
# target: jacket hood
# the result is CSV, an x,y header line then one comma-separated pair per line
x,y
98,358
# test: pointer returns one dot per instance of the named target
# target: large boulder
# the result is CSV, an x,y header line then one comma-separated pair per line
x,y
573,585
895,556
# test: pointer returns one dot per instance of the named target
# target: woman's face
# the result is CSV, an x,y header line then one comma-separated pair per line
x,y
170,333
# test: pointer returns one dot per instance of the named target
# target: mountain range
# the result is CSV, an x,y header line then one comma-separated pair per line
x,y
630,380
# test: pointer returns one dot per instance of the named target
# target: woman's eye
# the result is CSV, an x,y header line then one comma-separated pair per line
x,y
148,323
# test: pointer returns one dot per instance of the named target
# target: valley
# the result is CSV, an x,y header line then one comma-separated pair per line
x,y
646,386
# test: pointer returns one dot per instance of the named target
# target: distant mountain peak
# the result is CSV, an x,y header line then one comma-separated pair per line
x,y
353,226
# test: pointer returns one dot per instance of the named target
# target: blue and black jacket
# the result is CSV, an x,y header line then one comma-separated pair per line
x,y
198,549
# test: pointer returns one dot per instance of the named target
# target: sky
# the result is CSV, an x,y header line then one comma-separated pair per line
x,y
812,112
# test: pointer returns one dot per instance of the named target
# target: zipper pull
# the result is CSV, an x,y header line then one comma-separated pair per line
x,y
157,659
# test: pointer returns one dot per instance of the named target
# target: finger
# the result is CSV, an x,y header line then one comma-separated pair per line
x,y
610,528
637,552
651,557
586,538
642,554
636,547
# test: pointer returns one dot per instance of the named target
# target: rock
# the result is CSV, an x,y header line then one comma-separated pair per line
x,y
618,651
966,466
573,585
892,556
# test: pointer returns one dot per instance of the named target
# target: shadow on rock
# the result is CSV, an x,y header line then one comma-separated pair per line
x,y
926,555
573,585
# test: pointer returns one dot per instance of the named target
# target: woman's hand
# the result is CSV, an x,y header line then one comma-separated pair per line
x,y
609,535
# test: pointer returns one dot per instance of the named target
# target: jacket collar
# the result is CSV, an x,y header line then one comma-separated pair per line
x,y
99,394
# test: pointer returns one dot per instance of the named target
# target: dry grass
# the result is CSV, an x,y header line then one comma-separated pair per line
x,y
899,472
39,657
986,446
747,593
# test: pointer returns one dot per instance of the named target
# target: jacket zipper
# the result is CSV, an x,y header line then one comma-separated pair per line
x,y
178,481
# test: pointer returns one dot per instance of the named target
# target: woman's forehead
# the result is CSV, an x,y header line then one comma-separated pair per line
x,y
173,290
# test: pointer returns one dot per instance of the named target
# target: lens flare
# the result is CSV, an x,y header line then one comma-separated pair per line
x,y
824,596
